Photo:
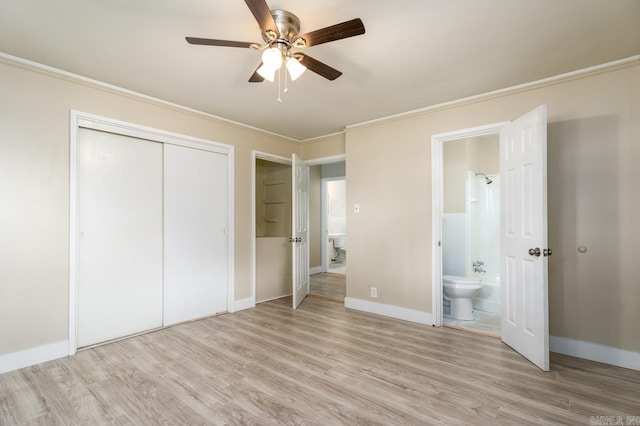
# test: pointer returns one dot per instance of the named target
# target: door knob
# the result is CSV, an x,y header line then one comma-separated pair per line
x,y
547,252
535,252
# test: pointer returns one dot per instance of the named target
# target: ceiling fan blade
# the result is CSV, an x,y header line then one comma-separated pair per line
x,y
335,32
318,67
256,78
213,42
261,12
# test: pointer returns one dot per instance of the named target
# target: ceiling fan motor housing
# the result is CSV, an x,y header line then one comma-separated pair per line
x,y
288,24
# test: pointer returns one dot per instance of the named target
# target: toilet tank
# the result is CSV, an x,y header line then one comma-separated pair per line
x,y
455,279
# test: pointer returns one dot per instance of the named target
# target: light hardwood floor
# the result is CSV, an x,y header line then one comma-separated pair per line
x,y
328,285
320,364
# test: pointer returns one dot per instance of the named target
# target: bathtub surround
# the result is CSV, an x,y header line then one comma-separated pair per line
x,y
483,205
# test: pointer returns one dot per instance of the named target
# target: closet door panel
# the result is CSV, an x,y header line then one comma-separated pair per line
x,y
195,237
119,236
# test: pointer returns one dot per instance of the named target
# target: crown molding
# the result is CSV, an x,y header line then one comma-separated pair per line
x,y
584,72
65,75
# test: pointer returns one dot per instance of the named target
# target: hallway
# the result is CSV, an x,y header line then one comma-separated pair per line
x,y
328,286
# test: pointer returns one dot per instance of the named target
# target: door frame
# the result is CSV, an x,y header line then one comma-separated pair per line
x,y
79,119
437,206
258,155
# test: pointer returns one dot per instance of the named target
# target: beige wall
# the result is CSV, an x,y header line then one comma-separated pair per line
x,y
327,146
34,192
593,173
478,154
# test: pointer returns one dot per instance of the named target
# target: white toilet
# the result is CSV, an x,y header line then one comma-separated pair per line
x,y
459,291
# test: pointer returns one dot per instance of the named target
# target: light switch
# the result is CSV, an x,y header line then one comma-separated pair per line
x,y
356,208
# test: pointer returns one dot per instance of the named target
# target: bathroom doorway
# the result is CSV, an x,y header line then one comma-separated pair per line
x,y
327,228
471,234
523,244
334,225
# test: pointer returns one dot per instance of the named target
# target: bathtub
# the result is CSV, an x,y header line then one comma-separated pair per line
x,y
488,299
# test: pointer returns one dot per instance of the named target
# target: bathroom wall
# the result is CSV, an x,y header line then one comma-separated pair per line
x,y
480,154
454,244
336,207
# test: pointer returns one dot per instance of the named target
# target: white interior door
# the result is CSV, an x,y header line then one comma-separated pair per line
x,y
524,292
195,234
119,236
300,229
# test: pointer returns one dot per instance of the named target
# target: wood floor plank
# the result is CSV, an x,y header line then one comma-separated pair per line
x,y
320,364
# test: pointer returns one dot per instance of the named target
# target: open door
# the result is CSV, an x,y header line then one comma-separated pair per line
x,y
300,229
524,292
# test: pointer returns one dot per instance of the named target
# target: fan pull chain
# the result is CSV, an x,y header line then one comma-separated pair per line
x,y
286,80
279,99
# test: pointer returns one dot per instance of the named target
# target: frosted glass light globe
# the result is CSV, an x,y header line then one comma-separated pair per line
x,y
272,58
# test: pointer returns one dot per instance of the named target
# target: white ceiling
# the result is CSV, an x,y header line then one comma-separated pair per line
x,y
415,53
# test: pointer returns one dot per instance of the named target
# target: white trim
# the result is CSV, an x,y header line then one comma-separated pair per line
x,y
595,352
5,57
25,63
326,160
91,121
392,311
315,138
437,204
507,90
39,354
274,298
316,270
242,304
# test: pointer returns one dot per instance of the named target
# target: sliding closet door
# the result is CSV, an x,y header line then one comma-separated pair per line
x,y
119,236
195,218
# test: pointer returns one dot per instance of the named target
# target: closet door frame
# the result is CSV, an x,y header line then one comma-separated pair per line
x,y
80,119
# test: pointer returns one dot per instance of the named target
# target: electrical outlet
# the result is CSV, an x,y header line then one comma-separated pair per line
x,y
374,292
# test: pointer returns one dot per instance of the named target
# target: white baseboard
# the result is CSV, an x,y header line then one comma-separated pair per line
x,y
273,298
242,304
316,270
392,311
595,352
32,356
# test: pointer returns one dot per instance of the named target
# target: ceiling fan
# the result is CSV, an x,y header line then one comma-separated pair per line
x,y
280,30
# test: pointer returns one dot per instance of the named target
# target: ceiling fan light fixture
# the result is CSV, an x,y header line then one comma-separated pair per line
x,y
272,58
295,68
268,73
